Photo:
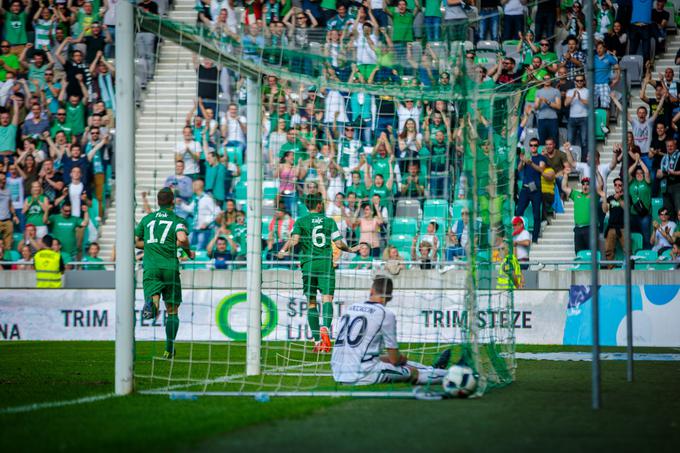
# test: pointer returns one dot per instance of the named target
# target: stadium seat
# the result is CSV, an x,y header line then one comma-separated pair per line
x,y
657,203
404,225
266,220
600,123
438,208
583,260
633,64
18,237
234,155
401,241
269,193
491,46
241,191
12,255
200,262
645,255
635,242
244,173
94,212
665,256
408,208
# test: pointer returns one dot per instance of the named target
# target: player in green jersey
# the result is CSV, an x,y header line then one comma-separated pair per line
x,y
315,233
160,234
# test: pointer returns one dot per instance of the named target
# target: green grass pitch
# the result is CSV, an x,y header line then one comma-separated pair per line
x,y
548,407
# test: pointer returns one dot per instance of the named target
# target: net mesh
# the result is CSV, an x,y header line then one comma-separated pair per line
x,y
423,134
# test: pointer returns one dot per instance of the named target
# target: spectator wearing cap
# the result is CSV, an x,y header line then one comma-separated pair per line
x,y
531,167
581,200
548,103
577,126
641,28
521,239
614,205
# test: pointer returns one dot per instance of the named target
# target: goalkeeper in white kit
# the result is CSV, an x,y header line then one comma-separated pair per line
x,y
368,329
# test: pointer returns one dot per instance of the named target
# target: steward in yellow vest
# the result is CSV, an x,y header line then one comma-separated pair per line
x,y
48,266
509,272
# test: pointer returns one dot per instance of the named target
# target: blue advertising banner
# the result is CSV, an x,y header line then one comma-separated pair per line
x,y
656,315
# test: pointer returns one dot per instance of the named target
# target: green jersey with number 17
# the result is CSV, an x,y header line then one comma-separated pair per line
x,y
159,232
317,233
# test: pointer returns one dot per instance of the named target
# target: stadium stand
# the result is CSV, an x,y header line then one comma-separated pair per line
x,y
58,103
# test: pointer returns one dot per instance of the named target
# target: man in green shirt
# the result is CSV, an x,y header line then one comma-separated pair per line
x,y
402,24
160,234
15,24
581,211
8,61
60,125
65,227
316,233
363,259
294,145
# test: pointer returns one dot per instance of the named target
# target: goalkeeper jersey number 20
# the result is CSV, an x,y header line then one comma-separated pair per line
x,y
364,331
317,234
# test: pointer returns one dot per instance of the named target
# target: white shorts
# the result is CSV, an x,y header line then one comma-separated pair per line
x,y
379,372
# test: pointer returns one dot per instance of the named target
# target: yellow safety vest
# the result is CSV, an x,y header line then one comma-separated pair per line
x,y
47,272
505,279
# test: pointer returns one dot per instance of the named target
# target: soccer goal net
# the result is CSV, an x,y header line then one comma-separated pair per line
x,y
409,145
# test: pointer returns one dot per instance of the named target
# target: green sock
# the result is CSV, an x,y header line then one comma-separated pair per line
x,y
171,328
313,320
327,310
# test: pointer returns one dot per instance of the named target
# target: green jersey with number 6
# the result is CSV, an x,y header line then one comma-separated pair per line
x,y
317,233
159,231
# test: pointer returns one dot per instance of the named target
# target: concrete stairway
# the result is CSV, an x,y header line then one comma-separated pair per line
x,y
557,241
167,100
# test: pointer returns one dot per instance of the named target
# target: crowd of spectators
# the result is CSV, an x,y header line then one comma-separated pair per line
x,y
57,105
380,160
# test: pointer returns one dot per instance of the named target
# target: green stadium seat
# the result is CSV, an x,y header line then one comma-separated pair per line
x,y
200,262
600,122
635,242
244,173
11,255
436,208
657,203
404,225
665,256
18,237
265,226
645,255
235,155
583,258
401,241
301,209
241,191
270,193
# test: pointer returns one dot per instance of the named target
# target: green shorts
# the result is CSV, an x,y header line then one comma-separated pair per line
x,y
165,282
314,280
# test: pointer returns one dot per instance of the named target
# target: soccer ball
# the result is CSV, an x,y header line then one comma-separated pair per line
x,y
460,381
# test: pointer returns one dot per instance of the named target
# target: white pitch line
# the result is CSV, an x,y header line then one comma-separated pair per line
x,y
53,404
586,356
